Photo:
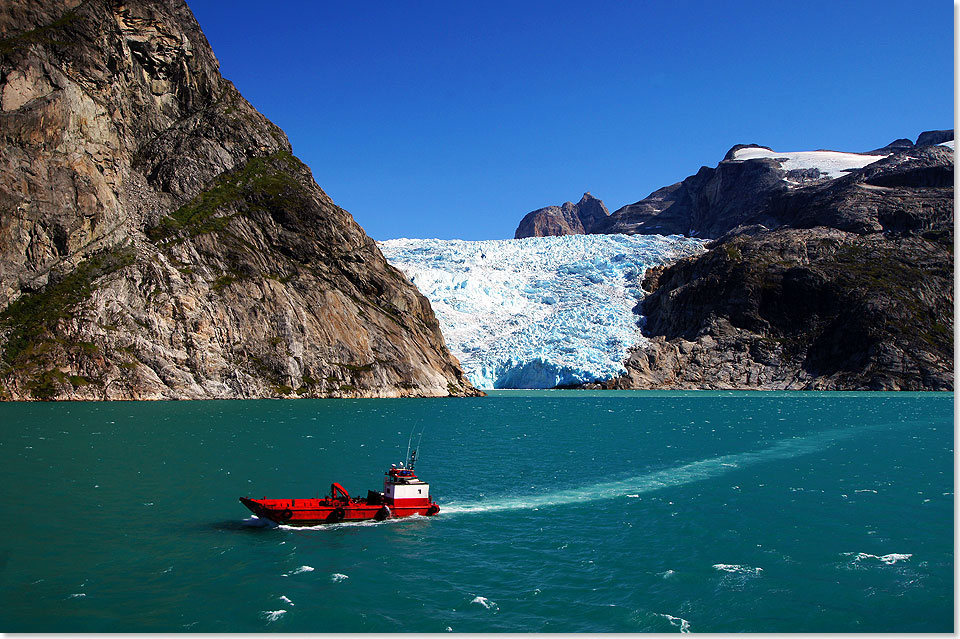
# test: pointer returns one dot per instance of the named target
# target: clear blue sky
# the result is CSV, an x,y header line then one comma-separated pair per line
x,y
454,119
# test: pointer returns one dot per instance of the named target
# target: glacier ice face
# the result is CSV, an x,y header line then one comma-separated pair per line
x,y
537,312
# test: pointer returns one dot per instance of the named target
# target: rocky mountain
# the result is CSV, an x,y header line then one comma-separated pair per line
x,y
844,283
747,187
567,219
753,184
158,239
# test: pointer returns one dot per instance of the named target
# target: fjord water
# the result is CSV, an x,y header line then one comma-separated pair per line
x,y
563,511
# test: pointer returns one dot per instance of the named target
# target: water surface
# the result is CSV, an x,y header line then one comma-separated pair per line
x,y
563,511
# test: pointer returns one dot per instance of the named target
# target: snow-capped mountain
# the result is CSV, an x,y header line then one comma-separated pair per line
x,y
537,312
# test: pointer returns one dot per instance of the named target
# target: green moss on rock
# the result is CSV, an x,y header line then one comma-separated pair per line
x,y
267,181
41,35
32,319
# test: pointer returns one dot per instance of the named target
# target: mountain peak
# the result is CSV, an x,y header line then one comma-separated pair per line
x,y
568,219
934,137
736,147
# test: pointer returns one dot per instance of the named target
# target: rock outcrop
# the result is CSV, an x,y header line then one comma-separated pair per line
x,y
802,309
852,291
159,240
934,137
567,219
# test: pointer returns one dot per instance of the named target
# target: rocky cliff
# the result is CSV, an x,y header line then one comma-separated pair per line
x,y
159,240
567,219
852,290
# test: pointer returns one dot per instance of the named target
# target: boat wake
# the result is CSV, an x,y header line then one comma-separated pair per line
x,y
666,478
255,522
354,524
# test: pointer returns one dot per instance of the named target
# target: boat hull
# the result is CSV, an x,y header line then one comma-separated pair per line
x,y
313,512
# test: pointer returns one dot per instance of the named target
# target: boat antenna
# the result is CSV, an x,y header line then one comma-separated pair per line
x,y
410,439
413,457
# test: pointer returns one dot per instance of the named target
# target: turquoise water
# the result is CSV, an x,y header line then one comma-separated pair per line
x,y
563,511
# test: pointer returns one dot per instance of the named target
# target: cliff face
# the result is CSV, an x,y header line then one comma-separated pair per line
x,y
802,309
567,219
707,204
159,240
854,290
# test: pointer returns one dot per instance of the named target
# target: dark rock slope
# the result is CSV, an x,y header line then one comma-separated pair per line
x,y
159,240
568,219
739,193
852,290
707,204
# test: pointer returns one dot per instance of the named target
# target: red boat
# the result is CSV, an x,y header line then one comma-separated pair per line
x,y
403,495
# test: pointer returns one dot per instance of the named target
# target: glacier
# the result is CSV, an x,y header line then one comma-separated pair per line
x,y
537,312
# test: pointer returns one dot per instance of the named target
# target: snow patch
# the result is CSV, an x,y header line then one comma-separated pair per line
x,y
831,164
537,312
948,144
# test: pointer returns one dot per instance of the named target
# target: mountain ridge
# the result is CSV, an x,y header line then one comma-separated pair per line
x,y
716,200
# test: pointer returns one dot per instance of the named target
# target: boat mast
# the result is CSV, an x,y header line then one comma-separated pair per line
x,y
413,454
410,439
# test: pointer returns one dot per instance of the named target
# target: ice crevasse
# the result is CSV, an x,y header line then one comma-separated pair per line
x,y
537,312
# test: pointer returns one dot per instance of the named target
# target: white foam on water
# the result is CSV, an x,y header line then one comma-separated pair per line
x,y
348,524
255,522
669,477
679,622
666,574
285,598
486,603
303,569
272,615
337,577
77,595
738,569
889,559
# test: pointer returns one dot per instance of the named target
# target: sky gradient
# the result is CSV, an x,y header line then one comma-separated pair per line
x,y
454,120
